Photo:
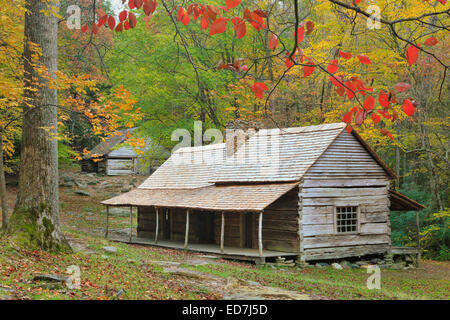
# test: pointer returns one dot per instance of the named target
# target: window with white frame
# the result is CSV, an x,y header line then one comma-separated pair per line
x,y
347,219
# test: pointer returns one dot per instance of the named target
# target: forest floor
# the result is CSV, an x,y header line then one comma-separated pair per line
x,y
144,272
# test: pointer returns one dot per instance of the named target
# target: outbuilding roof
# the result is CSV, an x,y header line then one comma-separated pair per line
x,y
107,145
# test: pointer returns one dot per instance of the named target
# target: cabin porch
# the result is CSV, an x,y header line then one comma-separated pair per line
x,y
255,236
234,253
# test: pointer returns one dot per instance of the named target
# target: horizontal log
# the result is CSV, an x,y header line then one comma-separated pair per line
x,y
345,252
291,215
319,218
346,201
344,240
342,192
282,225
283,246
309,183
318,229
368,217
278,235
313,210
374,228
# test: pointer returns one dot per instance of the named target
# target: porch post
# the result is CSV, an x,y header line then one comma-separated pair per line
x,y
157,224
131,222
222,233
418,238
107,221
186,236
260,246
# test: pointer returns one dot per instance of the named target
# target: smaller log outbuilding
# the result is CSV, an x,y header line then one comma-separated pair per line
x,y
113,157
313,193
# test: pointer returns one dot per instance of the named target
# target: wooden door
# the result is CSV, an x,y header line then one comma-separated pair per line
x,y
205,227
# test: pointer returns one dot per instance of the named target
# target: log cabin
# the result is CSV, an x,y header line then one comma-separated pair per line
x,y
310,193
113,156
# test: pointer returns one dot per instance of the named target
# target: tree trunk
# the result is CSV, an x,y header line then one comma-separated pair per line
x,y
4,205
36,215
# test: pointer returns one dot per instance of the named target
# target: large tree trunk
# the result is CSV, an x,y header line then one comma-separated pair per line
x,y
4,205
36,215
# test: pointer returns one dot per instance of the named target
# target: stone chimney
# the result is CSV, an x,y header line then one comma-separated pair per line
x,y
237,133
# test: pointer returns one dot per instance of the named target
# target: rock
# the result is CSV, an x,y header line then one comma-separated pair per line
x,y
50,278
301,264
66,185
120,293
353,266
110,249
389,259
83,193
208,257
125,190
375,260
398,265
337,266
243,289
165,263
120,212
321,265
81,185
362,262
190,273
199,262
68,179
7,293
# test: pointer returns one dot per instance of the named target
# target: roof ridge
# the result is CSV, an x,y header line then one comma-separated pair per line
x,y
305,129
212,146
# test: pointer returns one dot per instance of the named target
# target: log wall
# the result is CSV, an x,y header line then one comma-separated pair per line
x,y
175,224
345,175
280,224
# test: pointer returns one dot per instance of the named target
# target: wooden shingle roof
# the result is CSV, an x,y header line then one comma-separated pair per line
x,y
107,145
278,155
187,168
271,163
230,198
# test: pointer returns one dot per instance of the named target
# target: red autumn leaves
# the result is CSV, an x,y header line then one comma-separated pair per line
x,y
258,88
385,100
212,18
126,19
412,53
